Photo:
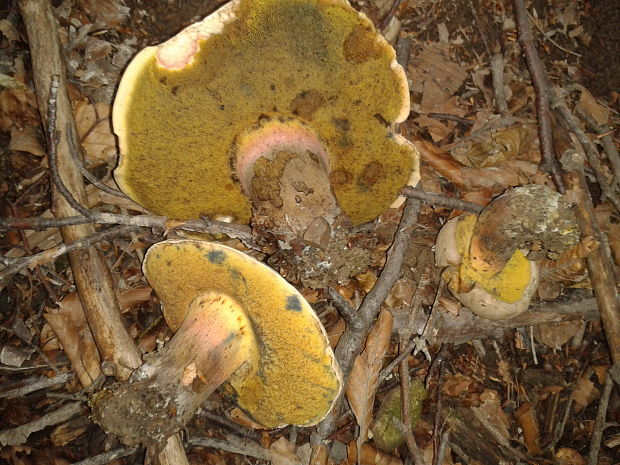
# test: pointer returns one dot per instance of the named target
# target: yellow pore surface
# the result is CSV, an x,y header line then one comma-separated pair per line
x,y
315,60
509,284
295,379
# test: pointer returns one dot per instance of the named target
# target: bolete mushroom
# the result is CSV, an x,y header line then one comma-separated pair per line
x,y
485,255
255,79
236,320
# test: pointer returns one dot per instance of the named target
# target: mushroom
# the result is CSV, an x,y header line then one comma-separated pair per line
x,y
487,268
236,321
256,79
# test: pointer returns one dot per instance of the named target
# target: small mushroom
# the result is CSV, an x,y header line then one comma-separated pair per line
x,y
236,321
487,268
255,79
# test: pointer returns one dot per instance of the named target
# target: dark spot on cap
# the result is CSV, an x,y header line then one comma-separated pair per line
x,y
175,90
293,303
216,257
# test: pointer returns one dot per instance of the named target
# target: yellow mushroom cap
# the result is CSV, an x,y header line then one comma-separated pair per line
x,y
294,379
489,294
181,105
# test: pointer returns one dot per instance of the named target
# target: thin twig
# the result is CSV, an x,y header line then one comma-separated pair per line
x,y
162,223
51,254
589,149
599,423
437,200
53,147
108,457
541,88
549,38
344,308
405,396
36,385
351,341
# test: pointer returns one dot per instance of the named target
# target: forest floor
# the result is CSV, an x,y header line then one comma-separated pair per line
x,y
526,390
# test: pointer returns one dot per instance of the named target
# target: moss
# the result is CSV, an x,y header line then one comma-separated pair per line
x,y
287,386
387,435
278,58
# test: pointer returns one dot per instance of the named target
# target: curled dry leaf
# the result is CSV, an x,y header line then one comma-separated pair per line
x,y
555,335
362,385
501,146
497,178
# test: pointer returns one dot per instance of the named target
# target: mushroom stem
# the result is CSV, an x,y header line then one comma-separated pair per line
x,y
213,342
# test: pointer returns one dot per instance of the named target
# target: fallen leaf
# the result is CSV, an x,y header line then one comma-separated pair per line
x,y
283,453
588,106
362,385
584,393
26,140
370,456
95,130
555,335
69,324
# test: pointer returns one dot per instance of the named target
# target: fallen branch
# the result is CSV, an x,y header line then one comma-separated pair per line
x,y
352,339
539,80
19,435
436,200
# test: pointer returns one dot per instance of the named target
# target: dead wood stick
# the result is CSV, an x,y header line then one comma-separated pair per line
x,y
107,457
599,423
539,81
438,200
91,274
600,268
599,261
20,434
36,385
352,339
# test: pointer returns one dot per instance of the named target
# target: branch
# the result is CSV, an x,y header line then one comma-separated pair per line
x,y
352,339
539,81
52,254
434,199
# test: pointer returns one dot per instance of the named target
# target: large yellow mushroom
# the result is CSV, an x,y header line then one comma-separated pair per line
x,y
255,79
236,321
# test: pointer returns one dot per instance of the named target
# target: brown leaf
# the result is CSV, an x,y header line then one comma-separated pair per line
x,y
106,12
590,107
95,130
283,453
362,385
370,456
555,335
69,324
584,393
26,140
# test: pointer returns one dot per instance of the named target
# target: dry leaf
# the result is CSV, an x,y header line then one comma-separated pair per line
x,y
26,140
8,30
370,456
531,431
106,12
555,335
492,410
362,385
69,324
584,393
95,130
283,453
567,456
590,107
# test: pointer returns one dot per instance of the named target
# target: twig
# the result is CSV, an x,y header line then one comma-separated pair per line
x,y
36,385
589,149
544,34
405,396
53,147
607,141
539,81
351,341
599,423
19,435
239,446
437,200
51,254
162,223
108,457
441,450
385,22
447,117
344,308
497,72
